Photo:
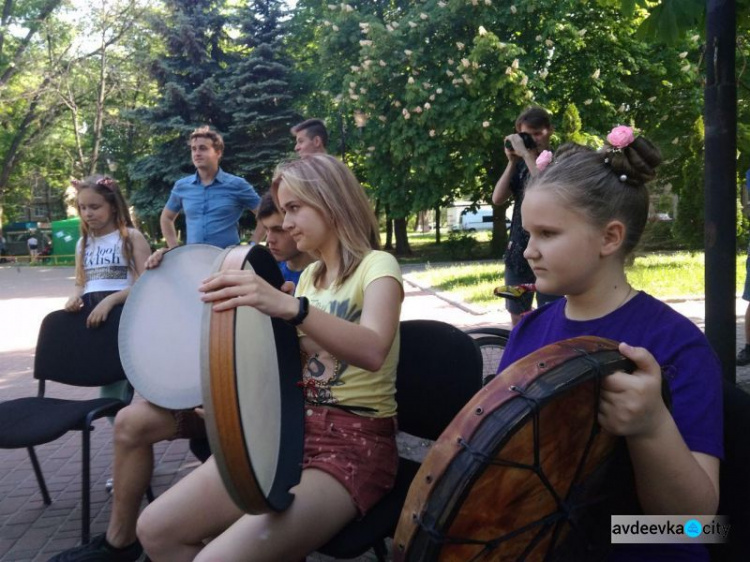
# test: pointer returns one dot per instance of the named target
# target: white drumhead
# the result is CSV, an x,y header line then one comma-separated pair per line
x,y
160,328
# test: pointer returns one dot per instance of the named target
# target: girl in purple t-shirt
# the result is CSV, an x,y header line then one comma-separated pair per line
x,y
585,213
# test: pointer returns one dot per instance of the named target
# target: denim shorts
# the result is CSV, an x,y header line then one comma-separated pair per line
x,y
358,451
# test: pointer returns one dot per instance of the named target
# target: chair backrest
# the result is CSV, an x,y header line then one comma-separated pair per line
x,y
439,370
68,352
733,482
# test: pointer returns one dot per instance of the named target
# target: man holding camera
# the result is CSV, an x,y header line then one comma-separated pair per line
x,y
533,131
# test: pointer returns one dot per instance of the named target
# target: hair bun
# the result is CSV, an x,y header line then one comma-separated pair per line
x,y
635,163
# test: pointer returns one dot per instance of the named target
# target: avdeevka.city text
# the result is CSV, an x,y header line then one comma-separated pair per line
x,y
668,528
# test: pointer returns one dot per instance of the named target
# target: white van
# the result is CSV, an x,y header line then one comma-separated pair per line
x,y
481,219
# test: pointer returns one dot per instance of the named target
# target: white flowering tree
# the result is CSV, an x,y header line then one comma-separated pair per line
x,y
440,83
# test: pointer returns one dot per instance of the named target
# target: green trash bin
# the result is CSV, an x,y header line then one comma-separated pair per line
x,y
65,234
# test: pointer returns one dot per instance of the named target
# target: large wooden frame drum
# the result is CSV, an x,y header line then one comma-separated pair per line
x,y
254,405
508,477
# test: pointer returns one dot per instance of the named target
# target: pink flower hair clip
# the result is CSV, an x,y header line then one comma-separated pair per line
x,y
543,160
107,182
620,137
76,184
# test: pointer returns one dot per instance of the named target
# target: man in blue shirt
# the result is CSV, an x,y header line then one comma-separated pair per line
x,y
211,199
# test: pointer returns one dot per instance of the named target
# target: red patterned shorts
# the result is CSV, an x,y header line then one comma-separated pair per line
x,y
358,451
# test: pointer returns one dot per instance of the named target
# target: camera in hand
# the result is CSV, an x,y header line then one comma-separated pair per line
x,y
528,141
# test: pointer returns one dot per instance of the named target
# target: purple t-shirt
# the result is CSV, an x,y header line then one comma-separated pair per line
x,y
688,363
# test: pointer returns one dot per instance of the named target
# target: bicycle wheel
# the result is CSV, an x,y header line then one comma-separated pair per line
x,y
492,348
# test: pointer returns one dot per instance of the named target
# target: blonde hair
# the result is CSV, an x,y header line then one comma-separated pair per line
x,y
107,188
327,185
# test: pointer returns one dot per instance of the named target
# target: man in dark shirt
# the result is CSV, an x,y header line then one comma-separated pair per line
x,y
535,122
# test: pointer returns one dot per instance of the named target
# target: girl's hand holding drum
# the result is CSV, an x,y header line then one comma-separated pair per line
x,y
233,288
631,404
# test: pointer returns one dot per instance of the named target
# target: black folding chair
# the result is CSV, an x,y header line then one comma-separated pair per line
x,y
69,353
439,370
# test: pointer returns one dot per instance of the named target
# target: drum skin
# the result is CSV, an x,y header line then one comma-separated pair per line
x,y
254,405
477,484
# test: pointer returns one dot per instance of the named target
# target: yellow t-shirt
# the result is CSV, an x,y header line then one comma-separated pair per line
x,y
326,379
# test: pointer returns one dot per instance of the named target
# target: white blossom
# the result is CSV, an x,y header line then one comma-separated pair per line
x,y
355,68
513,9
427,106
417,109
509,71
383,118
588,102
389,27
439,91
432,132
686,68
364,26
676,140
475,65
365,42
524,80
683,54
395,25
370,149
407,52
514,64
354,96
326,22
363,90
460,45
474,2
539,38
347,8
486,124
466,63
442,4
595,74
381,62
405,113
332,6
695,37
432,97
482,31
466,78
335,27
623,108
488,2
352,84
410,80
543,73
549,42
397,103
449,73
652,99
426,85
424,16
581,32
412,24
450,61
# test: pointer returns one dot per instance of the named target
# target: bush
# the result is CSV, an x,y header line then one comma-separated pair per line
x,y
461,245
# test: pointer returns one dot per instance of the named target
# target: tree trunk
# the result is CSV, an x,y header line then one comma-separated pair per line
x,y
437,224
402,239
388,229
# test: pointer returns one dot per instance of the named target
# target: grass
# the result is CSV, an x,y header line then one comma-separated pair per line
x,y
663,275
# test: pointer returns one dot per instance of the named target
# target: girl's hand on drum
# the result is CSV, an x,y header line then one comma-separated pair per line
x,y
154,259
631,403
230,289
74,304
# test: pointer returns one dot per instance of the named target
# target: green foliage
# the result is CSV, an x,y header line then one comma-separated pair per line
x,y
461,245
690,209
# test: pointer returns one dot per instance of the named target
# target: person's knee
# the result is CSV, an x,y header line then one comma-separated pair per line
x,y
141,424
152,530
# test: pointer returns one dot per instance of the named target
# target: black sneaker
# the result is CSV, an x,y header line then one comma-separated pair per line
x,y
743,357
99,550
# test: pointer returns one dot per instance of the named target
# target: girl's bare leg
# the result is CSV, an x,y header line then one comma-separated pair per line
x,y
321,508
198,507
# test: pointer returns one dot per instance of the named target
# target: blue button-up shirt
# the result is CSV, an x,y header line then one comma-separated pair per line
x,y
212,211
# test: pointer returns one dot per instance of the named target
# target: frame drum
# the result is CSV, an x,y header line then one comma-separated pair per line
x,y
519,472
160,328
251,370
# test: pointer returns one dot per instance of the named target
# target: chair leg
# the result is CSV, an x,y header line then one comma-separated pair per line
x,y
85,487
39,476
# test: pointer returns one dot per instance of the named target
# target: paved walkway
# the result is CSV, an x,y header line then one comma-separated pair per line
x,y
29,531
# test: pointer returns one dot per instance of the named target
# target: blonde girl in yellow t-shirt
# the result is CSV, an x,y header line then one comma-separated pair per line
x,y
347,308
